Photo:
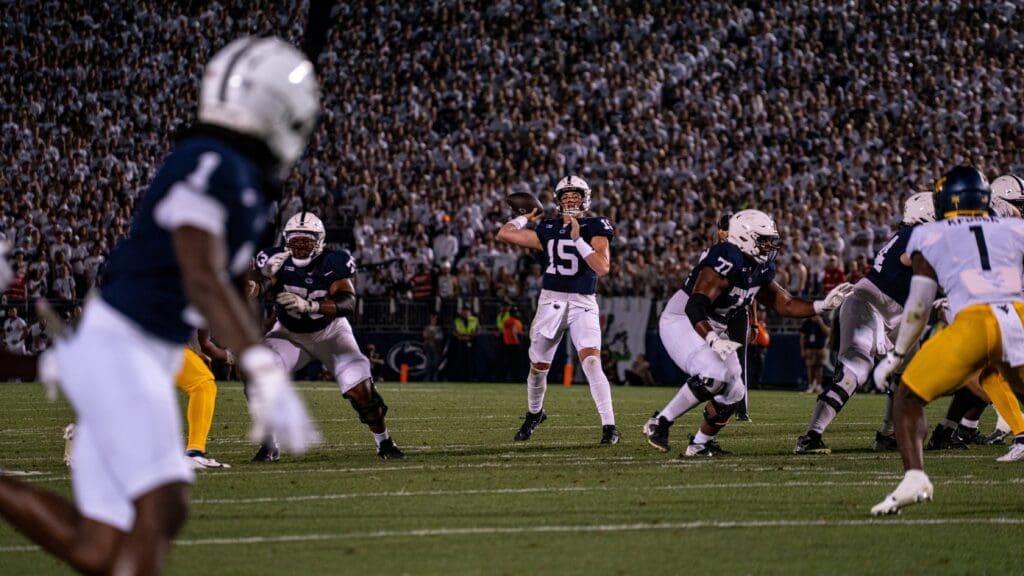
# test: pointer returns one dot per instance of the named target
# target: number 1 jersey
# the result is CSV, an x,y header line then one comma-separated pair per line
x,y
566,270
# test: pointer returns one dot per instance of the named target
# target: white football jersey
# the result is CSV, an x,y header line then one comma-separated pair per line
x,y
977,259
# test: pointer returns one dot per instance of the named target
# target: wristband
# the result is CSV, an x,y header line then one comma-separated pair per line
x,y
519,222
314,306
583,248
818,306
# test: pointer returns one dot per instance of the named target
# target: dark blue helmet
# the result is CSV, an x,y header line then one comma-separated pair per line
x,y
963,191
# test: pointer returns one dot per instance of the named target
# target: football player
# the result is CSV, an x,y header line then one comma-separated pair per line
x,y
578,251
197,225
196,380
693,326
314,296
978,260
866,319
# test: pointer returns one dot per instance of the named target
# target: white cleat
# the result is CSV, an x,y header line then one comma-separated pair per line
x,y
914,488
1015,454
199,460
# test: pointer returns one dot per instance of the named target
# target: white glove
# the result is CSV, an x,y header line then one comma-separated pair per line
x,y
296,304
6,274
268,266
274,405
721,346
941,305
229,358
834,299
884,370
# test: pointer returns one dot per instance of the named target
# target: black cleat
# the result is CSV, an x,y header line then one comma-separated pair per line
x,y
710,449
268,452
996,437
610,434
529,425
969,435
811,444
656,431
944,438
884,443
743,417
388,450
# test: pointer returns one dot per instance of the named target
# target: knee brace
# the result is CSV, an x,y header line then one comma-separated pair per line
x,y
722,413
373,411
704,388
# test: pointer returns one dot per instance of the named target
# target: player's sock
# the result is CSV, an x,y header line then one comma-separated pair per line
x,y
821,417
600,389
702,438
536,385
378,438
888,428
973,424
680,404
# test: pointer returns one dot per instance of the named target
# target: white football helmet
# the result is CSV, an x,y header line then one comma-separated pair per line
x,y
919,209
304,226
1009,188
265,88
754,233
573,184
1004,209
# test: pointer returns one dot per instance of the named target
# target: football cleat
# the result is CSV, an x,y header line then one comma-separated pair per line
x,y
610,434
69,436
656,431
884,443
944,438
997,437
969,435
915,488
743,417
268,452
710,449
199,460
388,450
811,444
530,423
1016,452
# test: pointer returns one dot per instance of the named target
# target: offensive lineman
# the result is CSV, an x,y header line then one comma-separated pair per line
x,y
866,319
196,226
978,260
578,252
314,296
722,285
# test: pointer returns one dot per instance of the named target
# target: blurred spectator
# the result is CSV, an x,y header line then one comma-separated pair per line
x,y
639,374
433,347
813,337
15,332
833,276
467,326
512,359
377,362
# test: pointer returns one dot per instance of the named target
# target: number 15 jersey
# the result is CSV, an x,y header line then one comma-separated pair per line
x,y
977,260
566,270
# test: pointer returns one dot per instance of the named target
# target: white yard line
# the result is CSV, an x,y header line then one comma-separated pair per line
x,y
577,529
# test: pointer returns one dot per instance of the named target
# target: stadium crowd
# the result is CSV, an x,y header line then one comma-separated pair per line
x,y
825,115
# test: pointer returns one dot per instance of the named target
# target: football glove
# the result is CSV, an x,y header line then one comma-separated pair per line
x,y
274,405
884,370
721,346
296,304
834,299
271,265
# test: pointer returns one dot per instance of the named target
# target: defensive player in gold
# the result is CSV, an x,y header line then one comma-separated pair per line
x,y
196,380
978,260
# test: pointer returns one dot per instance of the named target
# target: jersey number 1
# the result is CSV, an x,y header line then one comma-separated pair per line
x,y
979,237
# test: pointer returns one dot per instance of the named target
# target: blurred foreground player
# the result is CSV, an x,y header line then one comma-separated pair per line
x,y
196,226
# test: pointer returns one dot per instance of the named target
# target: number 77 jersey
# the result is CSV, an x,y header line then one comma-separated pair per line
x,y
977,260
566,271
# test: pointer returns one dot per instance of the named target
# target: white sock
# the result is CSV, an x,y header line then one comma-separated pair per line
x,y
536,385
680,404
1001,424
969,423
600,389
378,438
702,438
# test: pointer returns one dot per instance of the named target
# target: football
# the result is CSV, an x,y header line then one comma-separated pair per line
x,y
523,203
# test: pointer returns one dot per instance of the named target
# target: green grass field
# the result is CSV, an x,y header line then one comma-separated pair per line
x,y
469,501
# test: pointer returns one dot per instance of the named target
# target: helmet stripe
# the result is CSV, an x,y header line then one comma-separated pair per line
x,y
223,93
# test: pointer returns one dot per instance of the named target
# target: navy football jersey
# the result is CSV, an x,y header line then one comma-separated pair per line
x,y
312,282
890,275
746,277
204,183
566,271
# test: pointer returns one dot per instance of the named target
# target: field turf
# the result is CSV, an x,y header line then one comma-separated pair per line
x,y
469,501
